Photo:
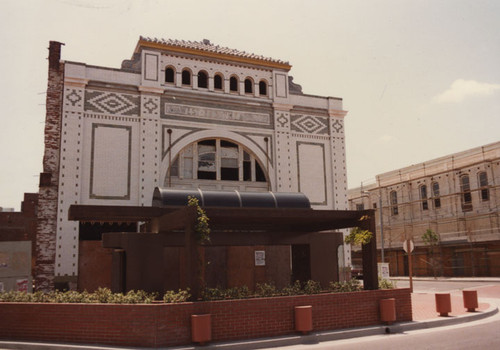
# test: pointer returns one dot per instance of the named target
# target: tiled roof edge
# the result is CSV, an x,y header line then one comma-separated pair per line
x,y
207,46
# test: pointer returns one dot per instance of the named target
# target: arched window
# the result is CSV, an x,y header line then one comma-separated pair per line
x,y
262,88
423,197
186,77
483,185
202,79
394,202
218,82
435,195
169,75
248,86
217,159
233,83
466,194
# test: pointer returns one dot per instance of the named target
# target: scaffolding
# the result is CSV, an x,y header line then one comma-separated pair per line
x,y
464,213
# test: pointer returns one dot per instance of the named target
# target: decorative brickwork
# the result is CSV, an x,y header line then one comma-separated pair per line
x,y
47,202
283,150
164,325
112,103
309,124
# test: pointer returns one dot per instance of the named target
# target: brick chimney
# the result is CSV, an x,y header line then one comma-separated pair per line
x,y
49,179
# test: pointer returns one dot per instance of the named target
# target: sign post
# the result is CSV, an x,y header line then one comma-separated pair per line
x,y
408,246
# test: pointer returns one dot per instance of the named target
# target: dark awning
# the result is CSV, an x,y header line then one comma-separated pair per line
x,y
263,219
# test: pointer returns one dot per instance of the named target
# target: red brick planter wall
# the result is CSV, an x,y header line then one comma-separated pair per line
x,y
169,324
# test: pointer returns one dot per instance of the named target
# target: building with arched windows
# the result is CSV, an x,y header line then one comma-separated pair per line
x,y
182,115
456,197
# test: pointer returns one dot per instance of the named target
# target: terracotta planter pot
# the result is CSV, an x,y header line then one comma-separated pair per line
x,y
443,303
201,328
388,310
303,319
470,300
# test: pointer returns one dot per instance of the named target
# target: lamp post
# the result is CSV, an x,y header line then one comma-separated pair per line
x,y
381,223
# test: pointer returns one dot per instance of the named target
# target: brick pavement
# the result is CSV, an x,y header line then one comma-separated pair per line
x,y
424,304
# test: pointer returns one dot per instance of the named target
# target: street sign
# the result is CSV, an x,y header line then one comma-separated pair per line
x,y
408,244
408,247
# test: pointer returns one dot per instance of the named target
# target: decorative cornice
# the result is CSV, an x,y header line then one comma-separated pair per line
x,y
337,113
75,82
210,51
151,89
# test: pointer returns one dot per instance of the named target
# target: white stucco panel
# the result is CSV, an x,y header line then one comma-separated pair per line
x,y
311,171
110,162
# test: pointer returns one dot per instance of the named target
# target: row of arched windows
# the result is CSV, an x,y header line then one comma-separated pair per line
x,y
219,81
465,193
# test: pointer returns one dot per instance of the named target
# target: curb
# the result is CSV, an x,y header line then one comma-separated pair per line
x,y
446,321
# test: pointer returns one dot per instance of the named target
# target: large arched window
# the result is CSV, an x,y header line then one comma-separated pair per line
x,y
233,84
216,159
202,79
169,75
218,82
186,77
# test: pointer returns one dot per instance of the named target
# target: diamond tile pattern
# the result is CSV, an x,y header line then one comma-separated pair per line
x,y
111,103
309,124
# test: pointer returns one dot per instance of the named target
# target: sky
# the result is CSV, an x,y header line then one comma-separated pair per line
x,y
419,79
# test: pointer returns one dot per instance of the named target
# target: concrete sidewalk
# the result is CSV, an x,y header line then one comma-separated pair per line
x,y
424,316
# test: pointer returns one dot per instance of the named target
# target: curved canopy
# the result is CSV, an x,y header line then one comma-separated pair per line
x,y
164,197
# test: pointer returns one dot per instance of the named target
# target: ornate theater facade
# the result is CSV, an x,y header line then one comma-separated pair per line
x,y
178,114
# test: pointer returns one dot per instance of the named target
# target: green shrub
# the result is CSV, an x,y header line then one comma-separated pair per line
x,y
358,236
312,287
176,297
212,294
14,297
228,293
352,285
105,296
101,295
201,228
386,284
293,289
266,290
237,293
